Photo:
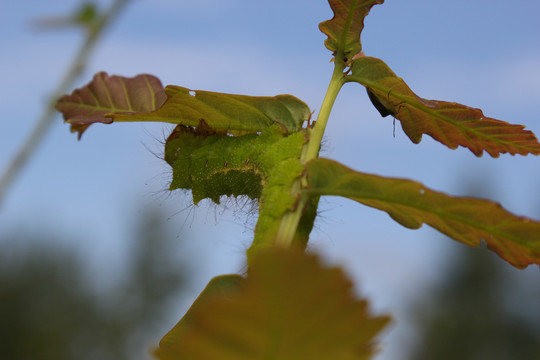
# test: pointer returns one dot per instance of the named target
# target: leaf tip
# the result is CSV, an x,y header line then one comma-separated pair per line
x,y
106,95
345,27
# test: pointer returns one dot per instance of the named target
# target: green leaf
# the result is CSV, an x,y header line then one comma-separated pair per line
x,y
469,220
449,123
142,98
289,307
226,112
344,29
219,287
105,94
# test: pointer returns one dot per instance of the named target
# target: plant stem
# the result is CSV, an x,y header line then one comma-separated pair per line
x,y
289,223
317,132
47,119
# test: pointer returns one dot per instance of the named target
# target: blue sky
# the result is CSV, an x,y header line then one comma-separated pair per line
x,y
481,53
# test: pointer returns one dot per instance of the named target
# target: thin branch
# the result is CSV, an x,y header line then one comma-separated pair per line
x,y
42,126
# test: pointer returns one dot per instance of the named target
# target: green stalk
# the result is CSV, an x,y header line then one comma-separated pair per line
x,y
317,132
289,223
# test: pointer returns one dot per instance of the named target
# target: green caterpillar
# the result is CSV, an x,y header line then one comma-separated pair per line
x,y
214,164
261,166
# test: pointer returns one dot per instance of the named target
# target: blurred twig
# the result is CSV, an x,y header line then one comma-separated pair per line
x,y
94,30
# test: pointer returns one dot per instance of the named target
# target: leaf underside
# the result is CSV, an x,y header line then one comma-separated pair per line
x,y
449,123
226,112
289,307
344,29
468,220
107,99
105,94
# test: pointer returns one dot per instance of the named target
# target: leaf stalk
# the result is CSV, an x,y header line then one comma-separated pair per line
x,y
286,235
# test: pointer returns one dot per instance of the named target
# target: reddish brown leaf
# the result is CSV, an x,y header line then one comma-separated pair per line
x,y
468,220
344,28
107,94
447,122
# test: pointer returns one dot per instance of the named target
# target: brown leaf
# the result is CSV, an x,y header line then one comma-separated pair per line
x,y
107,94
469,220
344,28
289,307
447,122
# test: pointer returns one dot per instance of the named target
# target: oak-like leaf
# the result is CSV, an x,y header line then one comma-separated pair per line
x,y
106,94
226,112
289,307
469,220
344,29
447,122
219,287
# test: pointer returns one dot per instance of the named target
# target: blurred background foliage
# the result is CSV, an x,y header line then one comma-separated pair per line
x,y
53,307
482,309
